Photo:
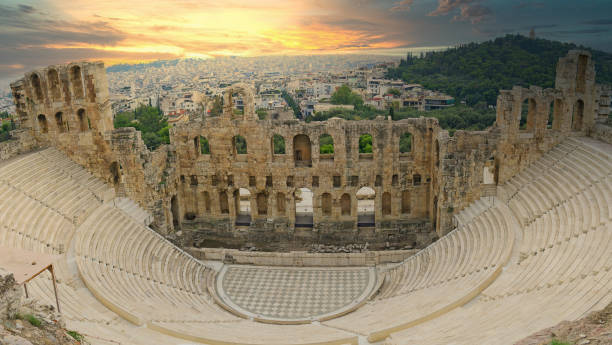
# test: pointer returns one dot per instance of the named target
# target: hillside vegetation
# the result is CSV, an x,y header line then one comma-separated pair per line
x,y
475,72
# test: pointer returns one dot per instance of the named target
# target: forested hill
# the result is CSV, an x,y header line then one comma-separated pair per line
x,y
477,71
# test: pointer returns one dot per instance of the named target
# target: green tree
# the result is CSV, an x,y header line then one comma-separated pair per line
x,y
326,144
204,146
279,144
149,121
365,143
393,91
344,95
262,114
217,106
297,112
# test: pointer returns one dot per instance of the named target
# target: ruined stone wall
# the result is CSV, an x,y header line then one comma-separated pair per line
x,y
21,142
274,178
194,196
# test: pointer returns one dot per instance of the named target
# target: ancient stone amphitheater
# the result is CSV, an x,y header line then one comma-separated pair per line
x,y
520,220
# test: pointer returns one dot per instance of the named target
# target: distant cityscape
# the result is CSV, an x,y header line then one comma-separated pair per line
x,y
187,86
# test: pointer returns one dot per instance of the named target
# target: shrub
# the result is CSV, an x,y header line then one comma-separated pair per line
x,y
76,335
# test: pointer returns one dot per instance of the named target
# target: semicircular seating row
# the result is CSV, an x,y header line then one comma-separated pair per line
x,y
554,233
562,269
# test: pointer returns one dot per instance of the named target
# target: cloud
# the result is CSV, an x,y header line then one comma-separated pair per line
x,y
403,5
26,9
598,22
581,31
469,10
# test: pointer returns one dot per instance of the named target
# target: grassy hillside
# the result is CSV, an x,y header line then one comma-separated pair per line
x,y
476,72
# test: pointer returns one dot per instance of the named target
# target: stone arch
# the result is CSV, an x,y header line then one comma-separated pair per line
x,y
326,145
528,114
262,204
42,123
326,204
35,81
366,205
405,201
59,122
223,202
240,145
77,81
345,204
302,150
578,115
303,208
437,157
204,145
54,84
405,143
386,204
278,144
248,99
366,143
84,123
281,207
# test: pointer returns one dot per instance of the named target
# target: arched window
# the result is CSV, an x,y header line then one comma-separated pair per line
x,y
42,123
326,146
528,115
278,144
386,204
280,203
53,81
578,115
405,143
174,208
365,143
303,208
240,145
302,150
84,123
345,205
262,204
204,146
76,81
326,204
35,80
59,121
405,202
366,197
223,203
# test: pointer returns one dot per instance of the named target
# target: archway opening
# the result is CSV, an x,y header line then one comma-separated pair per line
x,y
281,207
302,151
326,204
386,204
76,80
366,198
204,146
59,121
240,145
365,143
303,208
405,202
278,144
405,143
35,80
262,204
54,87
242,199
345,204
42,123
206,201
115,173
84,123
578,115
528,115
557,113
326,146
174,208
223,203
